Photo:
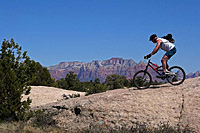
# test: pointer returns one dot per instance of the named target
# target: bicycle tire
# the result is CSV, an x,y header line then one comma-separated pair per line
x,y
141,81
179,76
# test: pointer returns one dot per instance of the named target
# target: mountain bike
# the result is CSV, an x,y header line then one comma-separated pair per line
x,y
143,79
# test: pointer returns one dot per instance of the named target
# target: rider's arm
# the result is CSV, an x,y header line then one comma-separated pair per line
x,y
157,47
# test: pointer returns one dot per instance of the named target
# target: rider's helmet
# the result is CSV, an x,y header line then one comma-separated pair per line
x,y
152,37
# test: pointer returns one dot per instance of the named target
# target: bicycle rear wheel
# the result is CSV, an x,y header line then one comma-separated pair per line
x,y
176,76
142,79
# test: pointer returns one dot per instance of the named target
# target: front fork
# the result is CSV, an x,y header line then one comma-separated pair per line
x,y
145,71
147,66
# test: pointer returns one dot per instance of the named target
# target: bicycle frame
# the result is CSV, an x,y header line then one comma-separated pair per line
x,y
154,66
143,79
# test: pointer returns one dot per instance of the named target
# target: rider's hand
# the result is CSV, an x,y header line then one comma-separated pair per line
x,y
147,56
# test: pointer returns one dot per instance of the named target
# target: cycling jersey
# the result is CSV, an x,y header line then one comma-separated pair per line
x,y
166,45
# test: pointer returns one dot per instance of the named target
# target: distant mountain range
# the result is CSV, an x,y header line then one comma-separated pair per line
x,y
193,75
98,69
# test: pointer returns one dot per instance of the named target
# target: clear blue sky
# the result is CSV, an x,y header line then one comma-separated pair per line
x,y
84,30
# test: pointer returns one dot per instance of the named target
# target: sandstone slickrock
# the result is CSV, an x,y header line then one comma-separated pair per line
x,y
123,107
42,95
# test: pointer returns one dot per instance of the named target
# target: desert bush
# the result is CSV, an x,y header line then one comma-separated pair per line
x,y
62,84
131,83
71,82
36,125
43,119
96,88
17,73
65,97
116,81
40,75
14,71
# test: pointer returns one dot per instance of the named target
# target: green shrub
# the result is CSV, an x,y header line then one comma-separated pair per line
x,y
116,81
96,88
14,68
65,97
40,75
71,82
62,84
42,118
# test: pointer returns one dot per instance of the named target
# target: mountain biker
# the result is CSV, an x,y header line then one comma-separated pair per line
x,y
165,45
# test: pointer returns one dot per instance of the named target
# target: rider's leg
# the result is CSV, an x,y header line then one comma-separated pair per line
x,y
164,63
167,66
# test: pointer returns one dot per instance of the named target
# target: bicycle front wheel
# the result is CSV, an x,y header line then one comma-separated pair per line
x,y
176,75
142,79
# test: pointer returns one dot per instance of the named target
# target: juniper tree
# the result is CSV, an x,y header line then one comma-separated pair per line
x,y
73,82
14,68
40,75
116,81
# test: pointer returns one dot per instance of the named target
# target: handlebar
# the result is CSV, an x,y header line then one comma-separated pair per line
x,y
147,56
147,59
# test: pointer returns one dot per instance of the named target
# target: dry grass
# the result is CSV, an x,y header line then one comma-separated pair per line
x,y
24,127
20,127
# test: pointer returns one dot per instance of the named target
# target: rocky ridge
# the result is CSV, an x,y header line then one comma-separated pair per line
x,y
97,69
193,75
123,107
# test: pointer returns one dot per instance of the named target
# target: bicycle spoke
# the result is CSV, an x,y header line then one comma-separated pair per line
x,y
176,76
142,80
